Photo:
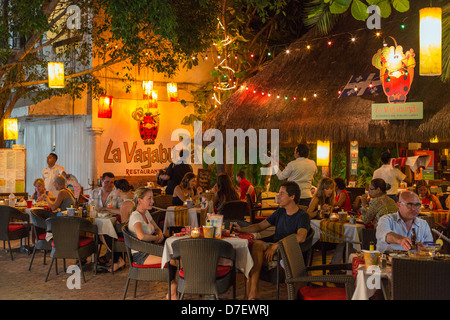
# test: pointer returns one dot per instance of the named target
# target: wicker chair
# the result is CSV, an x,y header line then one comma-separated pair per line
x,y
144,272
67,242
118,245
200,273
163,201
38,217
235,209
9,231
255,209
297,275
420,280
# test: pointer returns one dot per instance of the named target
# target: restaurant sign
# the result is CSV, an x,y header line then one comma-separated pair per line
x,y
398,111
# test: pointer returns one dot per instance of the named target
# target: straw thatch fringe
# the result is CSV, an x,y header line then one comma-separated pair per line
x,y
325,70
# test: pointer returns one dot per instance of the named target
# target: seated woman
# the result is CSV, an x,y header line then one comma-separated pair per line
x,y
125,193
65,198
324,197
40,190
224,191
342,200
142,225
379,205
186,190
429,201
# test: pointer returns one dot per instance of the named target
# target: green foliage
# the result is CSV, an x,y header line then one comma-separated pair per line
x,y
323,14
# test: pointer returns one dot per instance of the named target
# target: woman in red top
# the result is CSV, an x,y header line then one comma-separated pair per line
x,y
429,201
245,186
342,199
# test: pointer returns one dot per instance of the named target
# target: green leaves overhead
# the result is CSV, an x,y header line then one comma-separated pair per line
x,y
323,14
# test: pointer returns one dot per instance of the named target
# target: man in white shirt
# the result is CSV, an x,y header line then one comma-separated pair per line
x,y
302,171
51,172
105,197
390,175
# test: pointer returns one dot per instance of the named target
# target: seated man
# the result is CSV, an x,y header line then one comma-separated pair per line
x,y
105,197
394,230
245,187
288,219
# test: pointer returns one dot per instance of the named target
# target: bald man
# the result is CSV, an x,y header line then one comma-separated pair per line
x,y
394,230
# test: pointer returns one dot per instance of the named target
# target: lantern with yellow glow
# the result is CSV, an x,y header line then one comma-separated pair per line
x,y
56,75
323,153
105,106
148,87
172,91
430,41
10,129
153,99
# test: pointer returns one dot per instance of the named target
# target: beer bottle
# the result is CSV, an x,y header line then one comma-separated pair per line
x,y
413,238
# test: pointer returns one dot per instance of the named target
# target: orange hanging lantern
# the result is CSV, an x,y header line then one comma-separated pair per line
x,y
105,106
10,129
172,92
56,75
153,97
323,153
148,87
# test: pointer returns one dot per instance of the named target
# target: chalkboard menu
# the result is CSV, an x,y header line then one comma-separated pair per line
x,y
204,178
12,170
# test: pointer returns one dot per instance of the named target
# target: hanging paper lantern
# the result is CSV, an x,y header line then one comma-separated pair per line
x,y
323,153
153,99
10,129
172,92
148,87
105,106
56,75
430,41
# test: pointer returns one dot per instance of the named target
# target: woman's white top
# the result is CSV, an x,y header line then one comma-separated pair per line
x,y
135,217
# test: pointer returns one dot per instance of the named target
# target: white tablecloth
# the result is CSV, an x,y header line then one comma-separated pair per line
x,y
104,225
244,261
352,232
170,218
367,282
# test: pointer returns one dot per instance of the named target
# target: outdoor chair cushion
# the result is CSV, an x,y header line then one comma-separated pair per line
x,y
221,271
156,265
15,227
84,241
322,293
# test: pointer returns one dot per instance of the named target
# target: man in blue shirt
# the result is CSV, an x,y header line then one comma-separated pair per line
x,y
288,219
394,230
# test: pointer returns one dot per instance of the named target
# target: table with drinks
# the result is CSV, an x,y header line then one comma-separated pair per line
x,y
244,261
339,225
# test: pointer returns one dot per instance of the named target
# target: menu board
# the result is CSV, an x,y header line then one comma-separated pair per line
x,y
12,170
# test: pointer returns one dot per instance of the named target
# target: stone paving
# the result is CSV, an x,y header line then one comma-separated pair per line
x,y
17,283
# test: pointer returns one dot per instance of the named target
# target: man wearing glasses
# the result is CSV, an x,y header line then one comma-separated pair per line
x,y
394,230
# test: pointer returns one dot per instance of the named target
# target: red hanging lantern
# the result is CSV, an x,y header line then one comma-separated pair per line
x,y
105,106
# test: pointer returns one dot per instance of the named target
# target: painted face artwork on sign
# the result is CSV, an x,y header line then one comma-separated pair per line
x,y
396,71
148,124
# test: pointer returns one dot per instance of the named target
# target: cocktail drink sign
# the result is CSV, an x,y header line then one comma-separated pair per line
x,y
396,71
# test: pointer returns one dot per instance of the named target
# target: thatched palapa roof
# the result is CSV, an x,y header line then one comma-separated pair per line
x,y
325,70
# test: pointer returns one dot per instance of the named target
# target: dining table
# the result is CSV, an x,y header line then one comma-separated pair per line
x,y
243,263
369,280
351,233
181,215
440,216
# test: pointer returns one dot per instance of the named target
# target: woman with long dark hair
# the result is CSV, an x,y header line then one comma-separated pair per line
x,y
224,191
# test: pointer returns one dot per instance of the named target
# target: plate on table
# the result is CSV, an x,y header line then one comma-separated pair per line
x,y
21,204
445,257
104,214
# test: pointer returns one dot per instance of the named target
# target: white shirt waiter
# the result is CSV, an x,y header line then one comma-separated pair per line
x,y
51,172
